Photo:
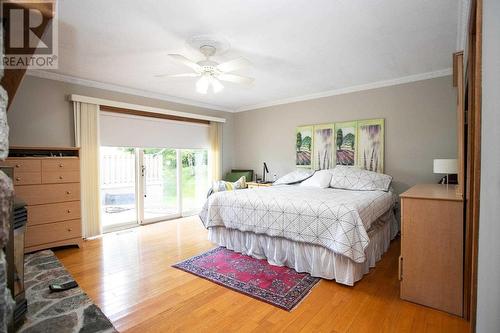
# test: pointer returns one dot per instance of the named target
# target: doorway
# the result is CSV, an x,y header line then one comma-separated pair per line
x,y
146,185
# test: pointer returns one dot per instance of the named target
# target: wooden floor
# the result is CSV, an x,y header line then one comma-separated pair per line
x,y
128,275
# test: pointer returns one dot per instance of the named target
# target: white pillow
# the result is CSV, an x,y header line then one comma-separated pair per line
x,y
294,177
320,179
354,178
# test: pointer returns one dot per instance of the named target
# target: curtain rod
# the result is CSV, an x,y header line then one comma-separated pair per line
x,y
146,109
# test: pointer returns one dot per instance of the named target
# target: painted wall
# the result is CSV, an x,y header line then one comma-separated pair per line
x,y
41,114
488,297
420,125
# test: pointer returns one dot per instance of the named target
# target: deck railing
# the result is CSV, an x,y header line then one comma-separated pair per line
x,y
118,170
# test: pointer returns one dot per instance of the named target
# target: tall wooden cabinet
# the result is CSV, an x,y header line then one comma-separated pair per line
x,y
48,180
431,262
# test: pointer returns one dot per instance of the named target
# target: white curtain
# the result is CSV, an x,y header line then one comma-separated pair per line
x,y
215,154
86,117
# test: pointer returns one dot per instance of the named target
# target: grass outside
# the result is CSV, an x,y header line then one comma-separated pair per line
x,y
193,188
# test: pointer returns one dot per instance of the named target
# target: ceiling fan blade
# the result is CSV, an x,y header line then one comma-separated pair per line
x,y
233,65
185,61
179,75
235,78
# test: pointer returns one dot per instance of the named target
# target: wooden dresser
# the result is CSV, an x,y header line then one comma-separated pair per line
x,y
50,186
431,262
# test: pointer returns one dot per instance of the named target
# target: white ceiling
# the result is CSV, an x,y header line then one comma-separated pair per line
x,y
297,48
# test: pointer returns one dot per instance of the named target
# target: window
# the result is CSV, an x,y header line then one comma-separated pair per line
x,y
194,178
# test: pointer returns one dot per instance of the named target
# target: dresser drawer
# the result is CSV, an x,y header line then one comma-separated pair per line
x,y
61,164
56,177
27,178
63,211
44,194
23,165
52,232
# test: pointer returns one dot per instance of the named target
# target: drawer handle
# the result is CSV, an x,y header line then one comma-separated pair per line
x,y
18,165
69,229
18,178
69,211
61,177
68,192
61,165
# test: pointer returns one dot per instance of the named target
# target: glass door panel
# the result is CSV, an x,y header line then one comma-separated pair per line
x,y
194,179
118,186
159,175
142,185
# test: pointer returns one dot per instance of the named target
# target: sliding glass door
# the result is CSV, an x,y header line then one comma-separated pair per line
x,y
160,200
194,179
144,185
118,187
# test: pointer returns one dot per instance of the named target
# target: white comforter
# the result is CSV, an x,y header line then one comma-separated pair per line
x,y
335,219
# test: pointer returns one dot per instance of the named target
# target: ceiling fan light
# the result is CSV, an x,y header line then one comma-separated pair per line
x,y
217,86
202,85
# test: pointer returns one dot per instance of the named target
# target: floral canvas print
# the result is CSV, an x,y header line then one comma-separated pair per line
x,y
345,143
323,147
303,146
371,145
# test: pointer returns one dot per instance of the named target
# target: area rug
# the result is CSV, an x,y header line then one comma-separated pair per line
x,y
279,286
66,311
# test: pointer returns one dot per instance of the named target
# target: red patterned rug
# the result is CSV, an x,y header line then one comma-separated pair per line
x,y
279,286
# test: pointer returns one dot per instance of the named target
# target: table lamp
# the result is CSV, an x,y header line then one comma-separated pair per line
x,y
264,171
445,166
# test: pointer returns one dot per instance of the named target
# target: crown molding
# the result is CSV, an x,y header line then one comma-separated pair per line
x,y
148,94
122,89
362,87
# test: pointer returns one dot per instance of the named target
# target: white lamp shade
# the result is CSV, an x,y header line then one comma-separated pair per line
x,y
445,166
202,84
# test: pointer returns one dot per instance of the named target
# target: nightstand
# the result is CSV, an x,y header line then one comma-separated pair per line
x,y
255,185
431,262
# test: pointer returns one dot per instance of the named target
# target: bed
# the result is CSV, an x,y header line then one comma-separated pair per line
x,y
330,233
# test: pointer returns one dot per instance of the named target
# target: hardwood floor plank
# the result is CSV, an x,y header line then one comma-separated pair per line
x,y
129,275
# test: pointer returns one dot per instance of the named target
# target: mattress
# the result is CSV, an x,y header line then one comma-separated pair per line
x,y
334,219
310,258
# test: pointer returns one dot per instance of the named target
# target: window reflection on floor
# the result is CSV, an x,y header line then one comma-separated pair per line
x,y
120,250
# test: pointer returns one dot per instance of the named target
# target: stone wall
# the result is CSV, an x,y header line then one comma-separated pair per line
x,y
6,198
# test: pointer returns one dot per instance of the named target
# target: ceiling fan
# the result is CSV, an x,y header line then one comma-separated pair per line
x,y
210,73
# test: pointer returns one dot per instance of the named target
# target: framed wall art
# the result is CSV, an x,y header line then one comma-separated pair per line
x,y
303,146
345,143
371,145
323,148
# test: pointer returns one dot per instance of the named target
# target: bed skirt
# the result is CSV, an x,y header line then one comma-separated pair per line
x,y
314,259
